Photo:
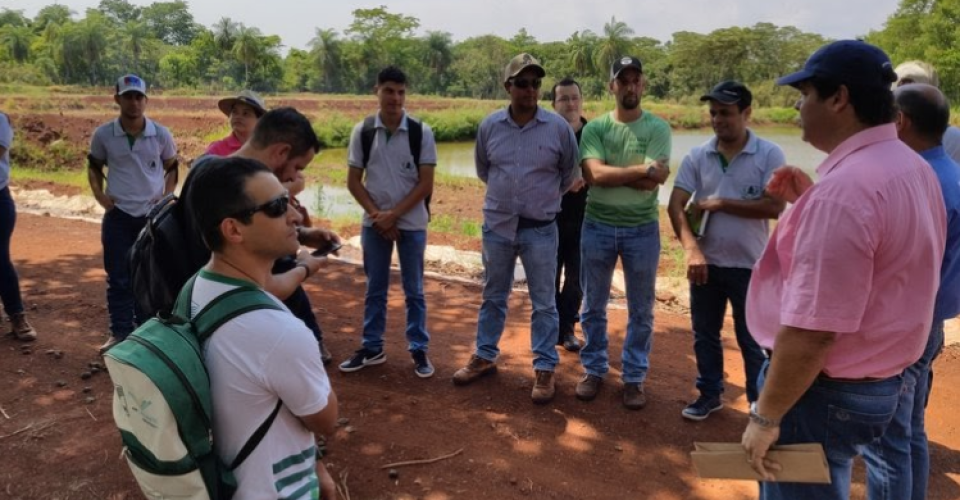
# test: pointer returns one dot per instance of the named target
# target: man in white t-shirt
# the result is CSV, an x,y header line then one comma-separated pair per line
x,y
258,358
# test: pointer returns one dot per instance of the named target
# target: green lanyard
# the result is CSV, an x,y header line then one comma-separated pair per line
x,y
723,162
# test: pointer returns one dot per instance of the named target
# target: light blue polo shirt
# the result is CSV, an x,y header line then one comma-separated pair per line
x,y
391,174
134,173
731,241
6,140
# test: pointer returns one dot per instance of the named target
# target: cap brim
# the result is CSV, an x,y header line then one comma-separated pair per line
x,y
721,98
127,91
795,78
626,68
537,67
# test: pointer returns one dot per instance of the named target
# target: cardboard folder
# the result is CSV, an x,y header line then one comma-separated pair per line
x,y
800,463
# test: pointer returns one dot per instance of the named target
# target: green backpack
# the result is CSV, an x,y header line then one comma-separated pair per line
x,y
162,403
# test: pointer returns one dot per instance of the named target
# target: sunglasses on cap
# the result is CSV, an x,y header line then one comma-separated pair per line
x,y
274,208
524,83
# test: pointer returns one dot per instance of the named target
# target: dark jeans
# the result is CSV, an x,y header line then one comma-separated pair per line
x,y
299,302
569,228
117,235
844,417
708,305
9,282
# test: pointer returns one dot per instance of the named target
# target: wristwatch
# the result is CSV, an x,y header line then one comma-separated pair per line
x,y
762,421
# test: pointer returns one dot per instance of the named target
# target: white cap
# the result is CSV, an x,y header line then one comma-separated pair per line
x,y
131,83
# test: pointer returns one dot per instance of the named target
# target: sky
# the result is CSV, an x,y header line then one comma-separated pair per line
x,y
296,20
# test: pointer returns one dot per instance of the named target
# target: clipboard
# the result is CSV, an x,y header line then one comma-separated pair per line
x,y
801,463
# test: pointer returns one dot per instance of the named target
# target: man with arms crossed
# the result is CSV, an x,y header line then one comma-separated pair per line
x,y
392,190
141,161
527,157
263,356
625,156
828,298
726,177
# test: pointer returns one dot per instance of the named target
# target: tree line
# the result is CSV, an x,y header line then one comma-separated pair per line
x,y
163,43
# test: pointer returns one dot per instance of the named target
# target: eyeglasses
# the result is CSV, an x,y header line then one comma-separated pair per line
x,y
525,83
274,208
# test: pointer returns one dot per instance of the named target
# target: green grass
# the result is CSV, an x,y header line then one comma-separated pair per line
x,y
75,178
449,224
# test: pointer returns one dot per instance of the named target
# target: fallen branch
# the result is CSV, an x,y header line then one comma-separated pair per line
x,y
421,462
14,433
4,413
91,414
342,489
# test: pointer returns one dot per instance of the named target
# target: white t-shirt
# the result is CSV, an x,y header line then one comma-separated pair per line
x,y
254,359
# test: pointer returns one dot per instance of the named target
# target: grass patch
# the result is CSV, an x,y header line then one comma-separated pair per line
x,y
75,178
449,224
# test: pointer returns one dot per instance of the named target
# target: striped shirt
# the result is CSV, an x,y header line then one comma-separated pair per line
x,y
526,169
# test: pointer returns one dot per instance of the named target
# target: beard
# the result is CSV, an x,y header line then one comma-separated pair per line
x,y
630,102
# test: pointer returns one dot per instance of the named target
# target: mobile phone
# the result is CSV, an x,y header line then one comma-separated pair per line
x,y
323,252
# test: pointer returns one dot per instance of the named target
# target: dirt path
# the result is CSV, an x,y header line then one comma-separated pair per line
x,y
59,441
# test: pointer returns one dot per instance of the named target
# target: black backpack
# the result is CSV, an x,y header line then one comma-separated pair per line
x,y
166,254
368,133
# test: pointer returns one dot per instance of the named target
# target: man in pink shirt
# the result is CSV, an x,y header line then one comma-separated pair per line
x,y
842,297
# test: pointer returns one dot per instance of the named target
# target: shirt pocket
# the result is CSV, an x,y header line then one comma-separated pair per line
x,y
409,170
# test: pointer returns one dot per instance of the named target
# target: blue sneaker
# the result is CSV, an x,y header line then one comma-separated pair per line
x,y
360,359
701,408
422,366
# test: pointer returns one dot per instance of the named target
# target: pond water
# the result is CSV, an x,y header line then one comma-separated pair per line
x,y
456,159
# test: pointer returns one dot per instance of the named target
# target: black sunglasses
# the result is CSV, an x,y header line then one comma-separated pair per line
x,y
523,83
274,208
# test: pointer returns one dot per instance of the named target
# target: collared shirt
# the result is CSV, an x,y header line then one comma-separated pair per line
x,y
731,240
390,172
857,255
224,147
135,175
948,173
6,141
526,169
618,144
951,143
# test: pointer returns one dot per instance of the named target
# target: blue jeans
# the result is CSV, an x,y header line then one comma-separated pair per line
x,y
377,252
638,248
9,281
537,249
844,417
117,235
898,464
708,305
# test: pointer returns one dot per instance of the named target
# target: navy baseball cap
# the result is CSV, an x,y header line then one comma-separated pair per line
x,y
850,62
729,92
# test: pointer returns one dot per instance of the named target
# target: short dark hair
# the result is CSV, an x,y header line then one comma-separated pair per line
x,y
872,104
565,82
391,74
285,125
218,191
929,117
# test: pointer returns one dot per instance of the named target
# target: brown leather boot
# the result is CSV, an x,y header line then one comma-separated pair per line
x,y
21,329
476,368
544,388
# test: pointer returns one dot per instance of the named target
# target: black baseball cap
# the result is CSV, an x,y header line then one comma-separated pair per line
x,y
850,62
623,63
730,92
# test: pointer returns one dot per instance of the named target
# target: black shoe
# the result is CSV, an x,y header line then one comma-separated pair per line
x,y
701,408
363,357
422,366
571,343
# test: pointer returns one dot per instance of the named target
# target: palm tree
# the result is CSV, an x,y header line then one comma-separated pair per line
x,y
614,43
325,51
17,40
439,56
246,47
135,34
224,34
581,51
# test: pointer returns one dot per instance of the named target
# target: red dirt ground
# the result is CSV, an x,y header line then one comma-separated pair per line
x,y
56,444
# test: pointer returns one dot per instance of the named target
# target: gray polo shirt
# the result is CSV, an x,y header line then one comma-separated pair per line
x,y
134,173
731,241
526,169
391,174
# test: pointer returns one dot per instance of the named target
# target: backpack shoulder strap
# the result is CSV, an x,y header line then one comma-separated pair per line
x,y
257,436
368,133
415,134
181,308
227,306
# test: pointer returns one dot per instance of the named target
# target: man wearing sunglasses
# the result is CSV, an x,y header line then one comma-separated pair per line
x,y
625,156
527,157
140,157
264,356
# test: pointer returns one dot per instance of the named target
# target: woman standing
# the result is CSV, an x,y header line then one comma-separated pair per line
x,y
243,110
9,282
